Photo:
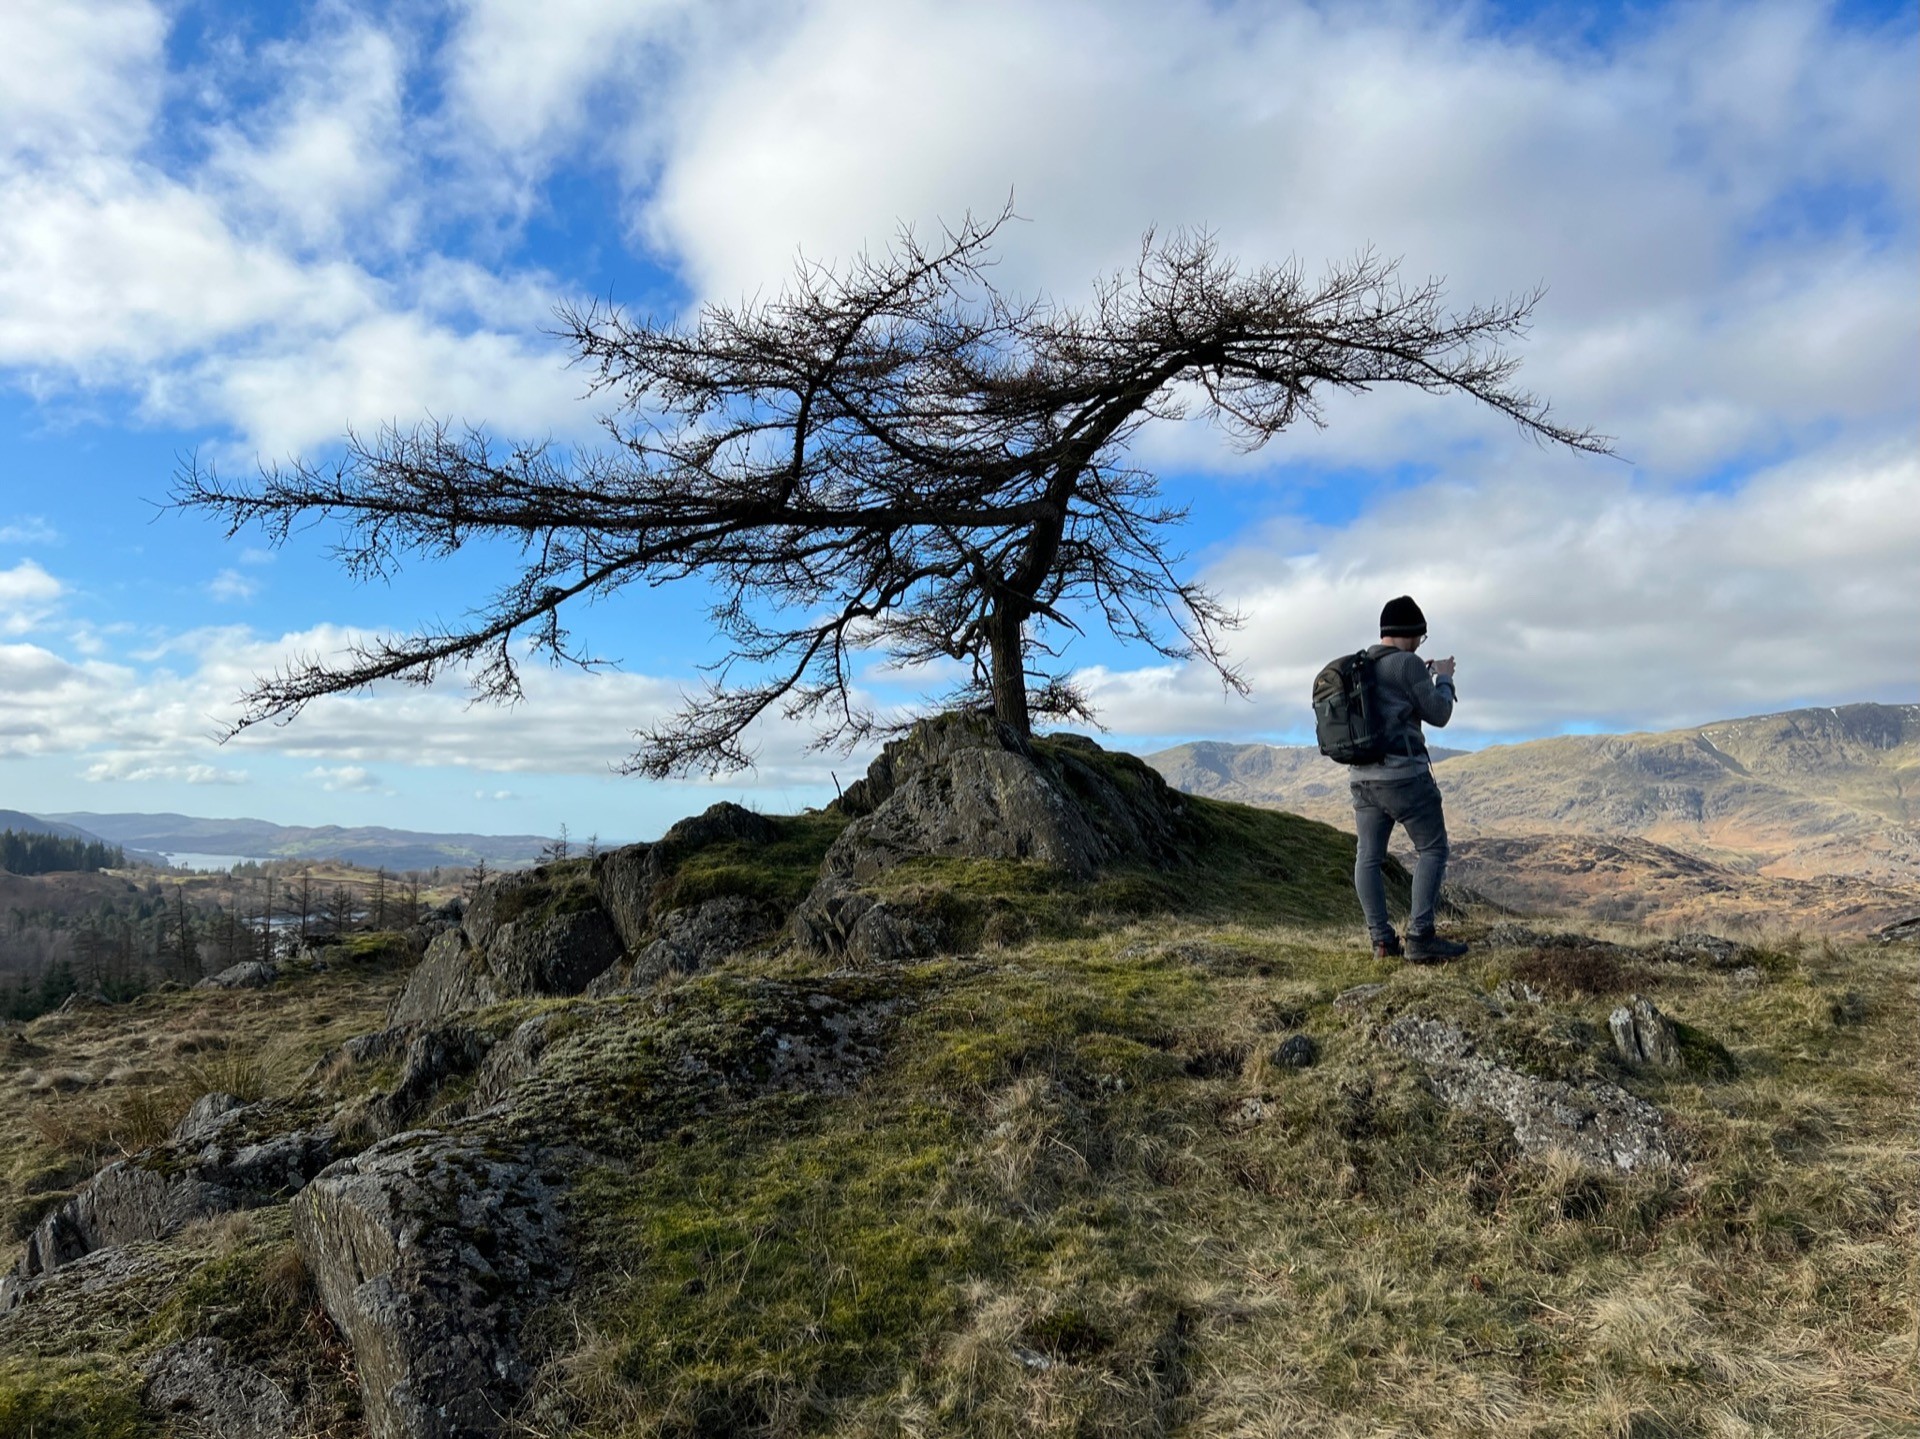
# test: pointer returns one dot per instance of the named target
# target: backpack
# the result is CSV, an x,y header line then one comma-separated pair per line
x,y
1346,711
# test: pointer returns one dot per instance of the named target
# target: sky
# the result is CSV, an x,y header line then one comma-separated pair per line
x,y
229,233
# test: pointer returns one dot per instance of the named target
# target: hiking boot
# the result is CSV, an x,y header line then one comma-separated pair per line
x,y
1431,949
1388,948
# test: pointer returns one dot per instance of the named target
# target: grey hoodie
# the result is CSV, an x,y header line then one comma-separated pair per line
x,y
1408,695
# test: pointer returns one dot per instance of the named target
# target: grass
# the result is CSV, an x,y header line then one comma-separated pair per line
x,y
1075,1190
1080,1197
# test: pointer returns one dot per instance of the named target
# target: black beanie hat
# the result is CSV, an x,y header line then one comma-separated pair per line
x,y
1402,617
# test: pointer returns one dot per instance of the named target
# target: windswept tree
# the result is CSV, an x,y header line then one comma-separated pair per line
x,y
891,456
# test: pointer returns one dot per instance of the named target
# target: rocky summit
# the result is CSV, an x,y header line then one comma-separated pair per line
x,y
1016,1092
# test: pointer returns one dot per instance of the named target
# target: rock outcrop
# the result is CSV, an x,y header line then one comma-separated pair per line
x,y
553,945
428,1250
214,1167
1644,1037
1472,1064
964,787
692,939
630,880
199,1381
1597,1122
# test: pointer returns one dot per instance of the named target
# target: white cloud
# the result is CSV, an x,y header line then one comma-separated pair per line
x,y
81,74
231,585
533,75
122,768
327,153
344,779
29,530
1607,602
494,795
27,594
1699,305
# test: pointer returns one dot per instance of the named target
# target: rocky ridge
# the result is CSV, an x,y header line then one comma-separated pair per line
x,y
429,1170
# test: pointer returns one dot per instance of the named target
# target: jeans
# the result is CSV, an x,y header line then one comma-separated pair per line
x,y
1414,804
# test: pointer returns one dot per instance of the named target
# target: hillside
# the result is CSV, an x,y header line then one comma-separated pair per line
x,y
1094,1120
1802,795
370,846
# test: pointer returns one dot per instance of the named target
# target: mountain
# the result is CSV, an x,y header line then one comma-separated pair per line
x,y
368,845
22,823
1803,795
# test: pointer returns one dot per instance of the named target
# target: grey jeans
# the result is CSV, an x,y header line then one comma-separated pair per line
x,y
1414,804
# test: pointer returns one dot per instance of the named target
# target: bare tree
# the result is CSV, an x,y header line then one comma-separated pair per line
x,y
891,455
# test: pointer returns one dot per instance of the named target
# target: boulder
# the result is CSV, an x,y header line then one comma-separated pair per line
x,y
1598,1123
221,1398
158,1193
963,787
248,974
1296,1051
1644,1036
629,879
534,954
839,918
205,1118
452,977
428,1251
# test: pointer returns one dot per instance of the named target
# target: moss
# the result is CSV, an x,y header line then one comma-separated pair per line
x,y
70,1399
550,891
1702,1055
778,873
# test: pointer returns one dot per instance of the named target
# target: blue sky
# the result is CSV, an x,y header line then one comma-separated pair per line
x,y
233,231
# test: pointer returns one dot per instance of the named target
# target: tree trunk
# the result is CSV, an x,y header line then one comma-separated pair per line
x,y
1009,665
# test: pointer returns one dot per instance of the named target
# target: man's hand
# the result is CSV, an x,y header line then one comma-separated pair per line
x,y
1441,669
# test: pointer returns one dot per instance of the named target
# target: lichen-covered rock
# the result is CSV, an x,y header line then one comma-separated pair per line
x,y
1644,1036
1599,1123
975,803
700,936
160,1192
200,1381
839,918
452,977
434,1056
629,879
510,1061
205,1118
428,1250
109,1289
1711,950
962,787
555,955
536,953
248,974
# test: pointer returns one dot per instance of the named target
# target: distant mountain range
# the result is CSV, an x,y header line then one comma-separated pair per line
x,y
1808,797
371,846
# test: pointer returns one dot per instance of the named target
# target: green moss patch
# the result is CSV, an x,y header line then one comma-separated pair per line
x,y
778,873
71,1399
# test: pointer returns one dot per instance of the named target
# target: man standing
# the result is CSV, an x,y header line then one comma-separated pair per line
x,y
1400,789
